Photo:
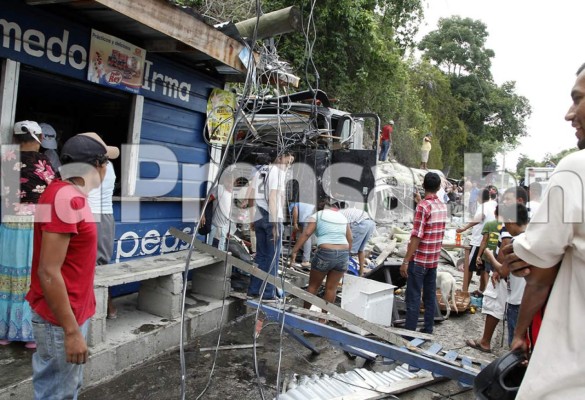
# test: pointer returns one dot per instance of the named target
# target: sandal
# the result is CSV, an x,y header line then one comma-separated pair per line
x,y
4,342
475,344
30,345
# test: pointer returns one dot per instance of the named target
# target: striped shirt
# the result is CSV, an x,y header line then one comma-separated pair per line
x,y
429,225
354,215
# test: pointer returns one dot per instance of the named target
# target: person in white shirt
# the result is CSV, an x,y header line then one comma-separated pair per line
x,y
269,193
534,193
100,202
485,212
222,210
550,256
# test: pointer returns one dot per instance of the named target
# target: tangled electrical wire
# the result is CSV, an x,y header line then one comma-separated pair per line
x,y
264,114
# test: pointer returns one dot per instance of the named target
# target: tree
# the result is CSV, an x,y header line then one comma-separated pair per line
x,y
493,115
459,46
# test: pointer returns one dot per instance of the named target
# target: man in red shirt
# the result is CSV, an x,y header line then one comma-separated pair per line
x,y
422,255
386,140
64,254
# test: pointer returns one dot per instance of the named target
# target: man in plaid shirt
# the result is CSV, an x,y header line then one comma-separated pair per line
x,y
422,256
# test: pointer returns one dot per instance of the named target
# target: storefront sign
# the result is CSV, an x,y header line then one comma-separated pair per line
x,y
115,63
221,108
35,37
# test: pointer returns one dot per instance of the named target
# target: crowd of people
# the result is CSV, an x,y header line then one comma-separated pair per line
x,y
525,246
57,224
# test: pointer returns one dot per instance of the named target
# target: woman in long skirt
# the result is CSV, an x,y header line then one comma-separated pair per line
x,y
26,174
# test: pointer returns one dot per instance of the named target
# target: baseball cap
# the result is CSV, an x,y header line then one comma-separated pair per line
x,y
391,122
49,139
85,147
24,127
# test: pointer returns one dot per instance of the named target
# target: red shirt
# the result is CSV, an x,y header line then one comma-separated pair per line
x,y
386,132
63,209
429,226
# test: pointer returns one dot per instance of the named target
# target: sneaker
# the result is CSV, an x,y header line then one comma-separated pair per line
x,y
306,265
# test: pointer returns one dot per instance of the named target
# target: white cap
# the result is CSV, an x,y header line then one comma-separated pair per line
x,y
391,122
24,127
49,139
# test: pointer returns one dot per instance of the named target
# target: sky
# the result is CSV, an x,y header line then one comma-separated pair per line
x,y
538,44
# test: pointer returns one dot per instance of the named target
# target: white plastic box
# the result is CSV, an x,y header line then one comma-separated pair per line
x,y
368,299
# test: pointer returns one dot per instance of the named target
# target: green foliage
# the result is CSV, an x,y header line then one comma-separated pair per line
x,y
550,160
493,116
459,46
355,50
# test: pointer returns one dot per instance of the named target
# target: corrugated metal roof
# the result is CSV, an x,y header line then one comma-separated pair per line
x,y
359,382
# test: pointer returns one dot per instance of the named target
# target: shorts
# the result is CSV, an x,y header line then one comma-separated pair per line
x,y
472,259
325,260
424,156
494,299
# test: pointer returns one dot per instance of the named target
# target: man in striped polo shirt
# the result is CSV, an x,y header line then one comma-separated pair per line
x,y
422,255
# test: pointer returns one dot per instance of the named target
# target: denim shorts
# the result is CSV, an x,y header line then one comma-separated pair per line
x,y
325,260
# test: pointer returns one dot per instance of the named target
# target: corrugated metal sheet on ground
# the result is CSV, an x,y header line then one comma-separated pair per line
x,y
357,384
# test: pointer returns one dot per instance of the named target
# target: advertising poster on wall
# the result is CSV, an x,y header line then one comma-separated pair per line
x,y
221,107
115,63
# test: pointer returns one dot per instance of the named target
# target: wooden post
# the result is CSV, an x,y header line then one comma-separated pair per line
x,y
9,74
272,24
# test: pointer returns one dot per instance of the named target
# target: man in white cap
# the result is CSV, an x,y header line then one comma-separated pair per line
x,y
64,258
49,143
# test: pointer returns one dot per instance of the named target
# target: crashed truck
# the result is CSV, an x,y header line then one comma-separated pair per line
x,y
336,155
340,149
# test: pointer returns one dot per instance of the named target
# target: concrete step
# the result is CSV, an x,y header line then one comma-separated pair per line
x,y
133,338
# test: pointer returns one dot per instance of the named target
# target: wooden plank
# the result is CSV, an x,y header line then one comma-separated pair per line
x,y
416,342
340,321
171,21
420,351
230,347
435,348
387,334
451,355
401,354
385,253
467,364
43,2
9,75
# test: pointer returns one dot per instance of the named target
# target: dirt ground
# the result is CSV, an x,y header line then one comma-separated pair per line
x,y
233,375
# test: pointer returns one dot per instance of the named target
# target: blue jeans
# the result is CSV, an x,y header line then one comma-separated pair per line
x,y
512,316
425,280
53,377
223,231
307,246
384,148
267,254
361,234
